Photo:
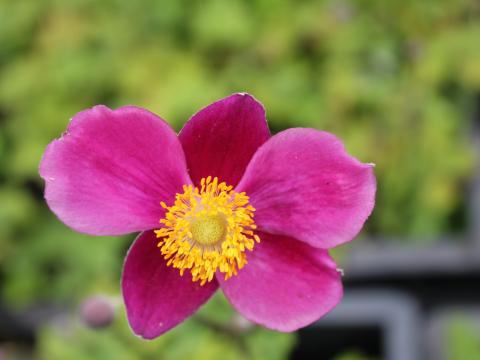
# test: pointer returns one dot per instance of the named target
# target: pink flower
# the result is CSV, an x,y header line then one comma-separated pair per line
x,y
238,209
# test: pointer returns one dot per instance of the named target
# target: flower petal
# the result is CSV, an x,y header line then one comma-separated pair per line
x,y
157,298
303,184
221,139
108,173
286,284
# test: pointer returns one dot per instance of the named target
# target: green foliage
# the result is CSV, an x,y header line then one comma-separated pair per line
x,y
463,339
50,262
396,81
352,356
191,340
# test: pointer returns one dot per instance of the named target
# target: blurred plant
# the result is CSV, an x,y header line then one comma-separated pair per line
x,y
395,80
217,338
463,340
352,356
50,262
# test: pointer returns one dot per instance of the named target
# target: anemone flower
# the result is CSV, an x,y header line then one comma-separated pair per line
x,y
223,205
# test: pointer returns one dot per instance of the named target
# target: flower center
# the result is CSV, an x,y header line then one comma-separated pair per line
x,y
207,230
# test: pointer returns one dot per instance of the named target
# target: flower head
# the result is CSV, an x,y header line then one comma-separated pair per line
x,y
223,204
208,230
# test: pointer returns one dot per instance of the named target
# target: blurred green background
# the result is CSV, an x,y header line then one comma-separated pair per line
x,y
396,80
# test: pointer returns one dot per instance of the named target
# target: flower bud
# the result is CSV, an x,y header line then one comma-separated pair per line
x,y
97,311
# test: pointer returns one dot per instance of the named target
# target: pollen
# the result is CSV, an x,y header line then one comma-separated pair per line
x,y
208,230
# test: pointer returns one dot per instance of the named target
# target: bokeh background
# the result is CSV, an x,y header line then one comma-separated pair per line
x,y
398,81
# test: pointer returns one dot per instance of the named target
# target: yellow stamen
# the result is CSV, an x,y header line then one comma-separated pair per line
x,y
208,230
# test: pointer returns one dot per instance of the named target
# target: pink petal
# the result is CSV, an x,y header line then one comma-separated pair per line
x,y
286,284
157,298
221,139
108,173
303,184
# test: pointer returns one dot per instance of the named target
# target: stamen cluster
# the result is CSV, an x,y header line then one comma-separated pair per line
x,y
208,230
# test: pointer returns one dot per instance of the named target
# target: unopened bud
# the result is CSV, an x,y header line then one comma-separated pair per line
x,y
97,311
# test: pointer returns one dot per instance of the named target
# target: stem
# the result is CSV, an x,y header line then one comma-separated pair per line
x,y
237,327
